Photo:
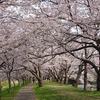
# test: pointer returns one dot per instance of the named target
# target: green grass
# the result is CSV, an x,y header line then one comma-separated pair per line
x,y
10,96
56,91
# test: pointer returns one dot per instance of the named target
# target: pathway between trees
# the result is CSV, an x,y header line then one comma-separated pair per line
x,y
26,93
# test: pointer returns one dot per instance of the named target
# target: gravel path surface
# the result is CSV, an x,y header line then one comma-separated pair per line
x,y
26,93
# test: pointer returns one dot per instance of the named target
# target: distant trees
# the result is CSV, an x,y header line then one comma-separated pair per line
x,y
66,69
61,69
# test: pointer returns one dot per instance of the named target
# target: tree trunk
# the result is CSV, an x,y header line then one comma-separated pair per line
x,y
40,82
57,80
98,75
61,80
98,81
85,70
14,84
77,80
85,76
65,78
75,84
0,90
23,81
9,82
19,83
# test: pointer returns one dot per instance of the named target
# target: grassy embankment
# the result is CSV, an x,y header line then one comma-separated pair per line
x,y
56,91
5,94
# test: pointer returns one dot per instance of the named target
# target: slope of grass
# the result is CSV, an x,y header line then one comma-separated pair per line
x,y
9,96
56,91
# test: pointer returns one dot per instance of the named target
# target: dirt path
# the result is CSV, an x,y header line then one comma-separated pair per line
x,y
25,93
